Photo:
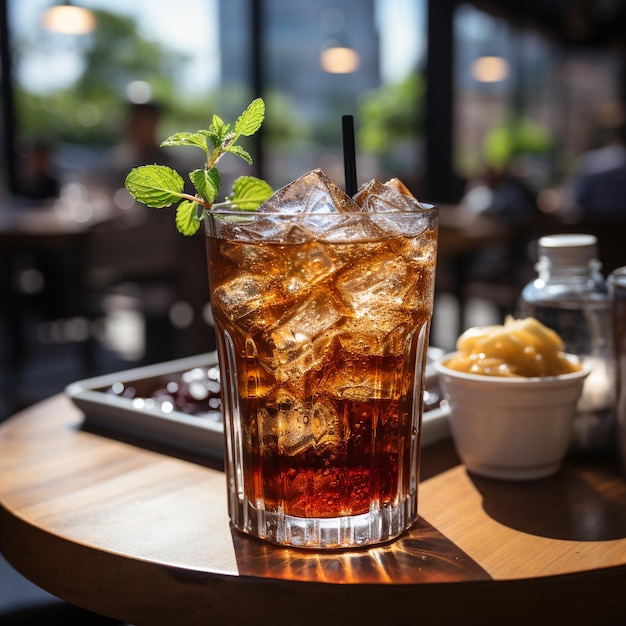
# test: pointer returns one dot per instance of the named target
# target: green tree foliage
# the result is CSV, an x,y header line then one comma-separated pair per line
x,y
513,137
118,55
92,109
390,114
283,124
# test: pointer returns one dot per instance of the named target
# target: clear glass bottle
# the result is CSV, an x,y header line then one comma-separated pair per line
x,y
570,296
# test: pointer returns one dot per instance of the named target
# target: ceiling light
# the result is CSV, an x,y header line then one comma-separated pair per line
x,y
490,69
69,19
336,58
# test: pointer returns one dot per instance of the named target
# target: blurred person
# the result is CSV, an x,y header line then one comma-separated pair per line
x,y
599,183
500,193
37,180
497,270
504,196
36,176
139,143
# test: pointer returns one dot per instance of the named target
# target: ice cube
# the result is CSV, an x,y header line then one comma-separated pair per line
x,y
383,293
354,376
393,207
297,331
301,337
326,426
419,250
322,205
388,336
313,192
248,298
297,424
329,214
242,295
249,256
377,197
398,185
376,282
259,227
308,266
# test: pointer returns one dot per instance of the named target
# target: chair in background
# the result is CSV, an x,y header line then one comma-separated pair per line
x,y
148,265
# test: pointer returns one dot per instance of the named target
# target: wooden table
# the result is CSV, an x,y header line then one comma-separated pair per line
x,y
144,537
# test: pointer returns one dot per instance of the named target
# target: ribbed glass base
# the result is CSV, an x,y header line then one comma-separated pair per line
x,y
379,525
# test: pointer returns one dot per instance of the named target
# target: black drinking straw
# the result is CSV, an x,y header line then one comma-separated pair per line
x,y
349,157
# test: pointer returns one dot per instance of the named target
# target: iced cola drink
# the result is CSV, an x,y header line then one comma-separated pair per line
x,y
322,306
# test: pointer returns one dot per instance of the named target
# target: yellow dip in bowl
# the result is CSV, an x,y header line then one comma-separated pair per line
x,y
519,347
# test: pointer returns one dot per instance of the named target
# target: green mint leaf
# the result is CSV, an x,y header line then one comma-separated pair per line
x,y
159,186
187,139
187,221
207,182
251,119
217,131
240,152
229,138
156,186
249,193
214,138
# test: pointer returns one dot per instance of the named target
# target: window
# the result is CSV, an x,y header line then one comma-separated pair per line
x,y
545,107
196,57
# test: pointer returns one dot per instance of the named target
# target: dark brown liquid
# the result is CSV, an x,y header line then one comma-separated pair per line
x,y
320,344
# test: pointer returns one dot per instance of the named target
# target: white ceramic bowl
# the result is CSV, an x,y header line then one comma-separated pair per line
x,y
510,428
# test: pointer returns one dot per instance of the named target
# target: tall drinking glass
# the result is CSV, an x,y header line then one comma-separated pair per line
x,y
322,325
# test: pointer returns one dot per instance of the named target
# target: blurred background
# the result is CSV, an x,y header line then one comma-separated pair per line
x,y
508,115
499,112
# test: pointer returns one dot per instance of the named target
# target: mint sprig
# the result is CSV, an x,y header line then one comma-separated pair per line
x,y
159,186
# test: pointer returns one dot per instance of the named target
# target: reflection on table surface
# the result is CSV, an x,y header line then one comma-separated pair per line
x,y
423,555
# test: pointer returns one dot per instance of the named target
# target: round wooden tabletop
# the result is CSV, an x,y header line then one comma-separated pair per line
x,y
144,537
